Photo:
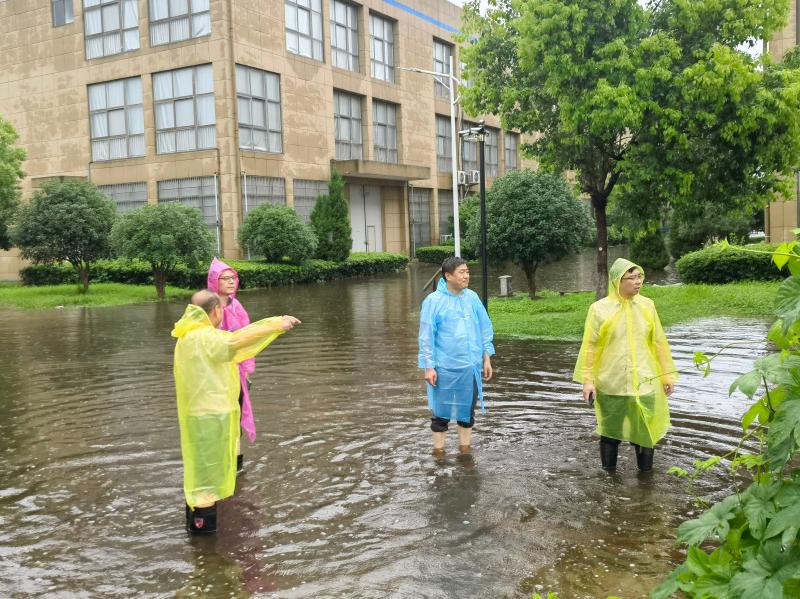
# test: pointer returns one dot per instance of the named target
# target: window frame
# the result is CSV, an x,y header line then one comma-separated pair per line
x,y
128,108
386,45
190,15
66,11
511,151
313,8
345,57
444,141
270,129
387,126
355,149
173,100
441,65
99,6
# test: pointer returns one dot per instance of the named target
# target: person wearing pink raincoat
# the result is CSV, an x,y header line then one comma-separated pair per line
x,y
224,281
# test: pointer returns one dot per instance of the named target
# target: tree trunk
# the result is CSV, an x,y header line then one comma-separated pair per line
x,y
83,273
599,203
160,279
530,274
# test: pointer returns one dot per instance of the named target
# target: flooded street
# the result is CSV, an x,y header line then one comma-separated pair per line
x,y
340,497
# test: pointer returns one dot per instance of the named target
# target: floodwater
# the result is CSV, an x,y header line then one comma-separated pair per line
x,y
340,497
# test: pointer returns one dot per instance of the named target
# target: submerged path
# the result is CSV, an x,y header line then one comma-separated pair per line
x,y
341,497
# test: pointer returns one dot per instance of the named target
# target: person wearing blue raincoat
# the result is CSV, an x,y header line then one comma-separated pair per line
x,y
455,346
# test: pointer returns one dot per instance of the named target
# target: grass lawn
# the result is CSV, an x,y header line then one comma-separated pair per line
x,y
562,317
99,294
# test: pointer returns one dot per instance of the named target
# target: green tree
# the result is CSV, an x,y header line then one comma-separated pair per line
x,y
690,230
655,104
532,218
66,222
277,233
164,235
10,174
330,220
649,251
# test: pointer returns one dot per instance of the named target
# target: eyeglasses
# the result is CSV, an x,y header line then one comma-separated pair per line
x,y
229,278
634,278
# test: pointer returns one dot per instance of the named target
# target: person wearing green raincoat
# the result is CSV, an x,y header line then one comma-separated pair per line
x,y
626,368
207,389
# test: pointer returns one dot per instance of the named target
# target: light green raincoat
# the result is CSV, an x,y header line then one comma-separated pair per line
x,y
207,388
626,355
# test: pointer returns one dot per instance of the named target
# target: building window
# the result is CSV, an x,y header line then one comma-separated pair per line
x,y
444,145
445,215
463,80
419,204
111,26
304,27
384,122
469,150
512,145
381,37
490,152
178,20
258,94
116,119
344,35
306,193
62,12
257,191
347,123
441,64
127,196
184,105
195,192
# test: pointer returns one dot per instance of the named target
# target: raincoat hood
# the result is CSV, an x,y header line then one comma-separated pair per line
x,y
619,268
442,286
194,317
214,271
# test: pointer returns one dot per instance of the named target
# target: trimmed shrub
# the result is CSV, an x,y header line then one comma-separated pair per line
x,y
649,251
435,254
330,220
252,273
716,265
277,233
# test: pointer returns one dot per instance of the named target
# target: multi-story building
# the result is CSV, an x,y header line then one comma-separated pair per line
x,y
227,105
780,218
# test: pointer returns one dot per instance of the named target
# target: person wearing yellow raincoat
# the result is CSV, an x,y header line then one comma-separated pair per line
x,y
626,368
207,389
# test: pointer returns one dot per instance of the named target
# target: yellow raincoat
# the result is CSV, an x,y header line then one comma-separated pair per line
x,y
207,388
626,355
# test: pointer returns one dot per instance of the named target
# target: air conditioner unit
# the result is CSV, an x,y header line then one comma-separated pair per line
x,y
462,177
475,177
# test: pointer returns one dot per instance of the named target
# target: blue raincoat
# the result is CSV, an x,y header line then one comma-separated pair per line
x,y
454,334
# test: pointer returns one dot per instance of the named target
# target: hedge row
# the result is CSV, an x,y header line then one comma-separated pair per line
x,y
435,254
252,274
714,264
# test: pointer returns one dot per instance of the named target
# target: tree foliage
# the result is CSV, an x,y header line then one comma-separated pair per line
x,y
163,235
691,229
532,218
746,546
649,251
330,220
66,222
277,233
654,104
11,159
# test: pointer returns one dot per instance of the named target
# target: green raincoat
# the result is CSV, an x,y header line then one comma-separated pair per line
x,y
207,388
626,355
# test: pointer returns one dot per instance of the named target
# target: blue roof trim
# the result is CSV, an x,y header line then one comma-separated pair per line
x,y
421,15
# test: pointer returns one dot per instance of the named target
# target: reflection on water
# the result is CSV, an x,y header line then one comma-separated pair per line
x,y
341,497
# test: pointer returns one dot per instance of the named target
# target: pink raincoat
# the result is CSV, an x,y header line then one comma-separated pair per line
x,y
234,318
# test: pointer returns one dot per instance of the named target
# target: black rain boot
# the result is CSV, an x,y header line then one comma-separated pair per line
x,y
608,453
201,520
644,457
239,463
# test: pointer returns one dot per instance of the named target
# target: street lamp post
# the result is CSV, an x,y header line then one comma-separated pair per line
x,y
454,167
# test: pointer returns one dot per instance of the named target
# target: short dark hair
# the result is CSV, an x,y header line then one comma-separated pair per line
x,y
207,300
451,264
